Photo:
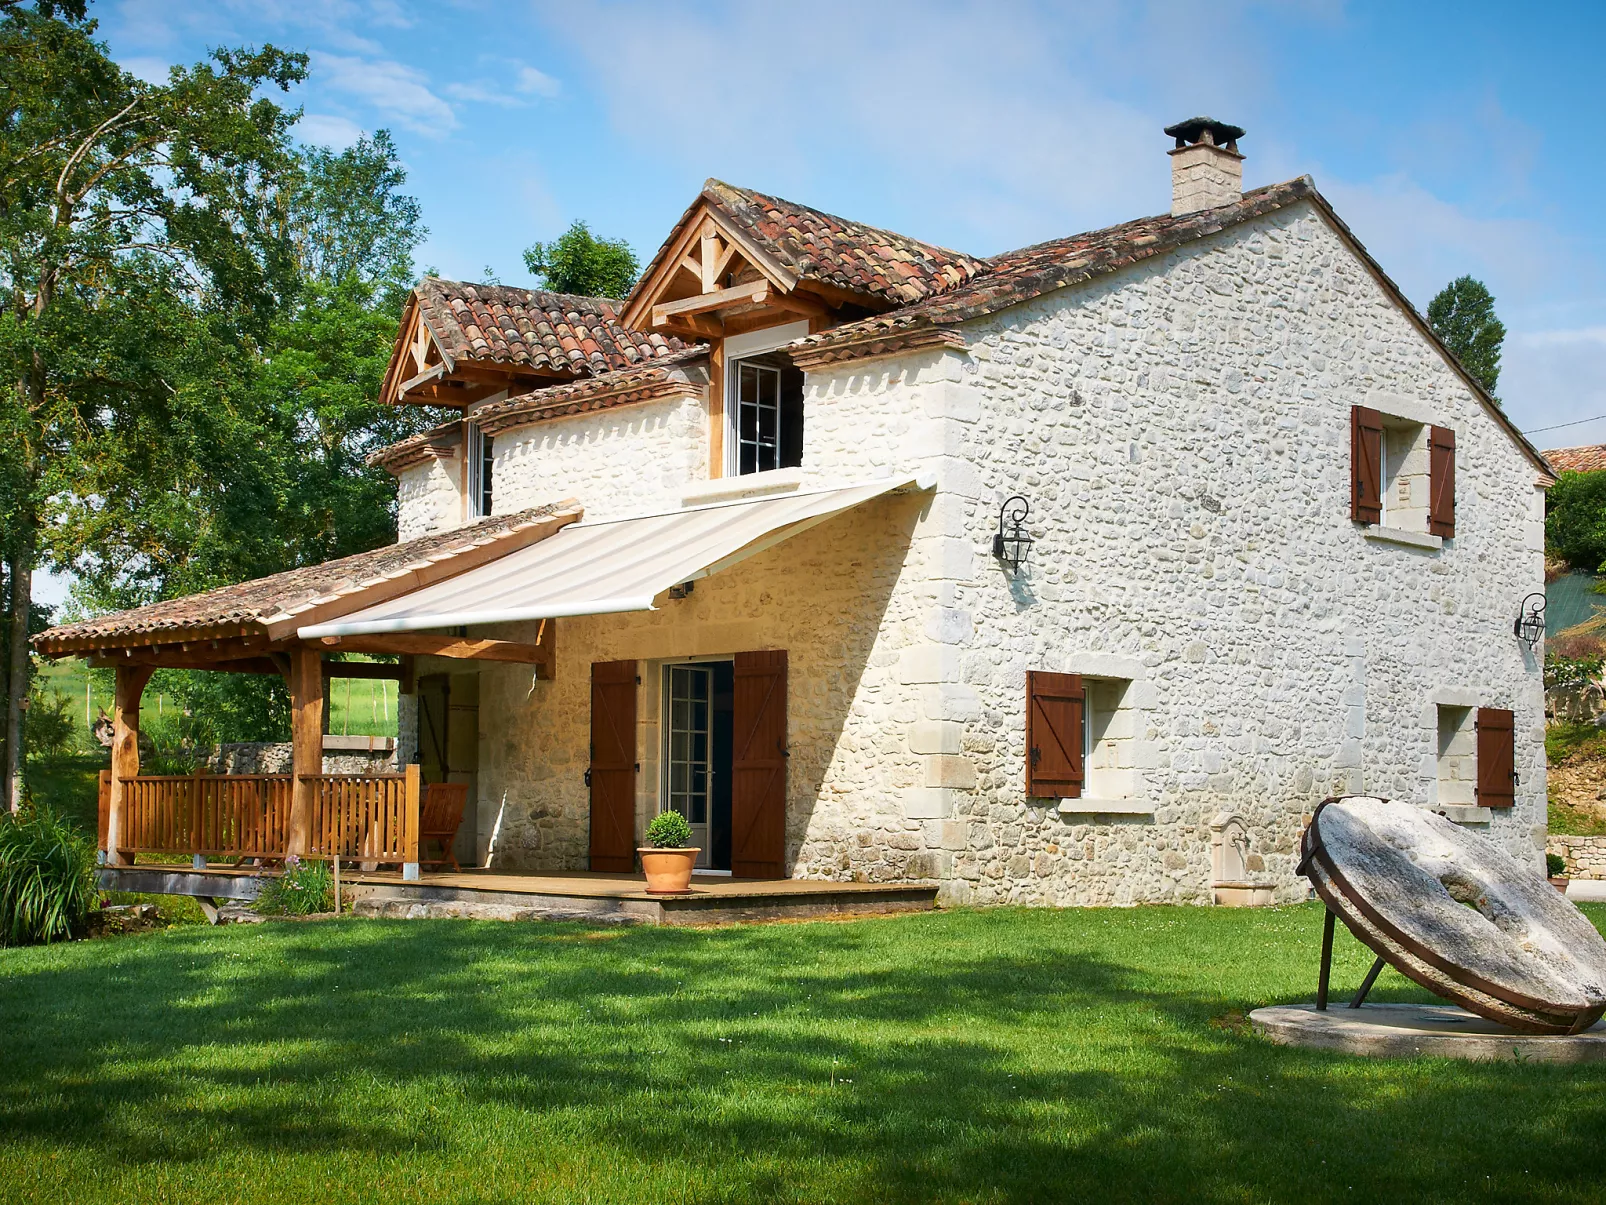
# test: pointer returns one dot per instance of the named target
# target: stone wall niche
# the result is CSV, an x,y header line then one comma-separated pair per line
x,y
1231,865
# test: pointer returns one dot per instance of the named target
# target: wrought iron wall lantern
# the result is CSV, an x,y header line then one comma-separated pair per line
x,y
1011,545
1529,626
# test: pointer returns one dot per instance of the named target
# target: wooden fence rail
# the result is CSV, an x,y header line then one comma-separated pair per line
x,y
368,817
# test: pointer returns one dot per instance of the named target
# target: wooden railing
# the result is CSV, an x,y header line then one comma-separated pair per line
x,y
365,817
220,815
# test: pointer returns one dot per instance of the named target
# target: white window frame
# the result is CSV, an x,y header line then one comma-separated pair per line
x,y
737,349
474,448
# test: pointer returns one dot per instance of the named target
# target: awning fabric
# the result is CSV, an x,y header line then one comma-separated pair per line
x,y
607,567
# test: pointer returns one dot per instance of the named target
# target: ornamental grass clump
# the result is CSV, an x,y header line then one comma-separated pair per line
x,y
302,890
47,877
669,830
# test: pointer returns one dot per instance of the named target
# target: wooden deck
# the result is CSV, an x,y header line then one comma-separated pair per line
x,y
556,895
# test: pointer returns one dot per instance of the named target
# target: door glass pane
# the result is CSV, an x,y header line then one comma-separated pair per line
x,y
687,780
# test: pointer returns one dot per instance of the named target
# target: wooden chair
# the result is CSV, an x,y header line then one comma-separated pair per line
x,y
439,818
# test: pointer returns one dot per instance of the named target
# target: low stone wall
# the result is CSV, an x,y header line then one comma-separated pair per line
x,y
1586,856
273,757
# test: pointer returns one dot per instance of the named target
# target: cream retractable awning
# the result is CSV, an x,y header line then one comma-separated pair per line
x,y
607,567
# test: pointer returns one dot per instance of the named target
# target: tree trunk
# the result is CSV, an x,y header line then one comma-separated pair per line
x,y
19,568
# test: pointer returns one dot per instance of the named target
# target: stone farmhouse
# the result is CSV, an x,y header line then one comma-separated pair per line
x,y
1078,574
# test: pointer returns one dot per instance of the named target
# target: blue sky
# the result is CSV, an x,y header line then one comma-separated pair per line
x,y
1452,137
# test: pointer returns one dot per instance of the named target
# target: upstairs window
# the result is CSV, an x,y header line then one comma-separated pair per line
x,y
478,462
769,414
1402,473
763,402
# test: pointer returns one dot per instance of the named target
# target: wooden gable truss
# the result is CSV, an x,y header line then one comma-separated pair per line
x,y
711,280
423,373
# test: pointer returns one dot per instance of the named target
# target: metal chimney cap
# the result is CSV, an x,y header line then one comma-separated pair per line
x,y
1195,128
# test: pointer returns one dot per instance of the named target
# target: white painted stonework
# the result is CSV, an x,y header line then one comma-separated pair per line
x,y
429,497
633,460
1181,430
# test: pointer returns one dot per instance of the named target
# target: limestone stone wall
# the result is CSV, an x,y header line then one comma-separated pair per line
x,y
1586,856
1182,432
839,600
275,757
429,497
631,460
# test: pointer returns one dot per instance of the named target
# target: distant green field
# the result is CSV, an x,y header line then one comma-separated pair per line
x,y
357,706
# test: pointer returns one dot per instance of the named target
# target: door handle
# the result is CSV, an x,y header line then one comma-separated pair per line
x,y
588,776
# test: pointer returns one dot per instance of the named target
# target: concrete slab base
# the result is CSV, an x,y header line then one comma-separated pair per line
x,y
1421,1031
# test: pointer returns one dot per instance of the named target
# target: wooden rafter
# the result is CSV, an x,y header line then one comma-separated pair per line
x,y
419,644
721,299
707,248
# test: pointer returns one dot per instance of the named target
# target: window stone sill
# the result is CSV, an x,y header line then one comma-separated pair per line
x,y
1465,813
1398,535
749,485
1111,807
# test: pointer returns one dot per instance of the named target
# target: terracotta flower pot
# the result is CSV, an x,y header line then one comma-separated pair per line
x,y
1559,882
668,870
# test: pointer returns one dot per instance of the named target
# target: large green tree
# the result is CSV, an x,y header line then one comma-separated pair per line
x,y
137,234
579,262
276,477
1463,316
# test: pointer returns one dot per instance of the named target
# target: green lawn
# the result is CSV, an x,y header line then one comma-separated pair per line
x,y
999,1055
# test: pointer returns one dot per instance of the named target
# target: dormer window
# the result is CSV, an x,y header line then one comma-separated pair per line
x,y
769,414
477,463
764,392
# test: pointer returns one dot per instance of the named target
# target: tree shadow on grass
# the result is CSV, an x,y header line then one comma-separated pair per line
x,y
1000,1057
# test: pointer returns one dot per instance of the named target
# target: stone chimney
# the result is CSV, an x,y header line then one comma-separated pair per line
x,y
1206,168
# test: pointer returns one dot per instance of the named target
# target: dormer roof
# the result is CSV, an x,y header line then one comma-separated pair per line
x,y
532,328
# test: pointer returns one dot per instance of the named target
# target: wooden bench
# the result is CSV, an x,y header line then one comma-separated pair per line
x,y
439,817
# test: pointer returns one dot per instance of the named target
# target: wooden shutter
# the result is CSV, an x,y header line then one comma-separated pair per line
x,y
1497,758
1441,481
1054,707
758,767
613,766
1366,465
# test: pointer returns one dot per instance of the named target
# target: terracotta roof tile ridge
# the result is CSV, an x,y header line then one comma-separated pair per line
x,y
753,196
482,287
291,591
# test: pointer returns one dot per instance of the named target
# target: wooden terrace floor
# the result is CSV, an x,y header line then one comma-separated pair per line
x,y
557,895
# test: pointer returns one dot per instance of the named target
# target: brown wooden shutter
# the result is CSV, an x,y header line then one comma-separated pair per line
x,y
1366,465
758,766
1497,758
613,766
1054,707
1441,482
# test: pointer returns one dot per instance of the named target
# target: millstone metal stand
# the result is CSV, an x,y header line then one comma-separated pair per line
x,y
1325,978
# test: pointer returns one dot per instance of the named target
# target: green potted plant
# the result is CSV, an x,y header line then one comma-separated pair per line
x,y
1556,870
668,856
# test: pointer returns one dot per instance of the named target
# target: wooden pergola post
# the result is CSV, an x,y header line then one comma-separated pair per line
x,y
131,680
306,743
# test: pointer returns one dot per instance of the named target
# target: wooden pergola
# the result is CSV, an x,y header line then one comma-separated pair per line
x,y
251,628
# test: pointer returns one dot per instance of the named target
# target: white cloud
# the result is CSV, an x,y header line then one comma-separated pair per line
x,y
327,129
1557,376
536,83
146,67
398,93
479,94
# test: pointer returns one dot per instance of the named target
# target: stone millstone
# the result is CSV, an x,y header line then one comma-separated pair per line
x,y
1457,914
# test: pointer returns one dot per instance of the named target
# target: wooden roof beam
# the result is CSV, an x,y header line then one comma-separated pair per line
x,y
466,648
753,294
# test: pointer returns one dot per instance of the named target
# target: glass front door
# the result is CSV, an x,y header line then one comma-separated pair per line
x,y
697,706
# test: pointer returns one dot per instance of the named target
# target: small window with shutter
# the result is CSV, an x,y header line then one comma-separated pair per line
x,y
1402,473
1497,758
1055,735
